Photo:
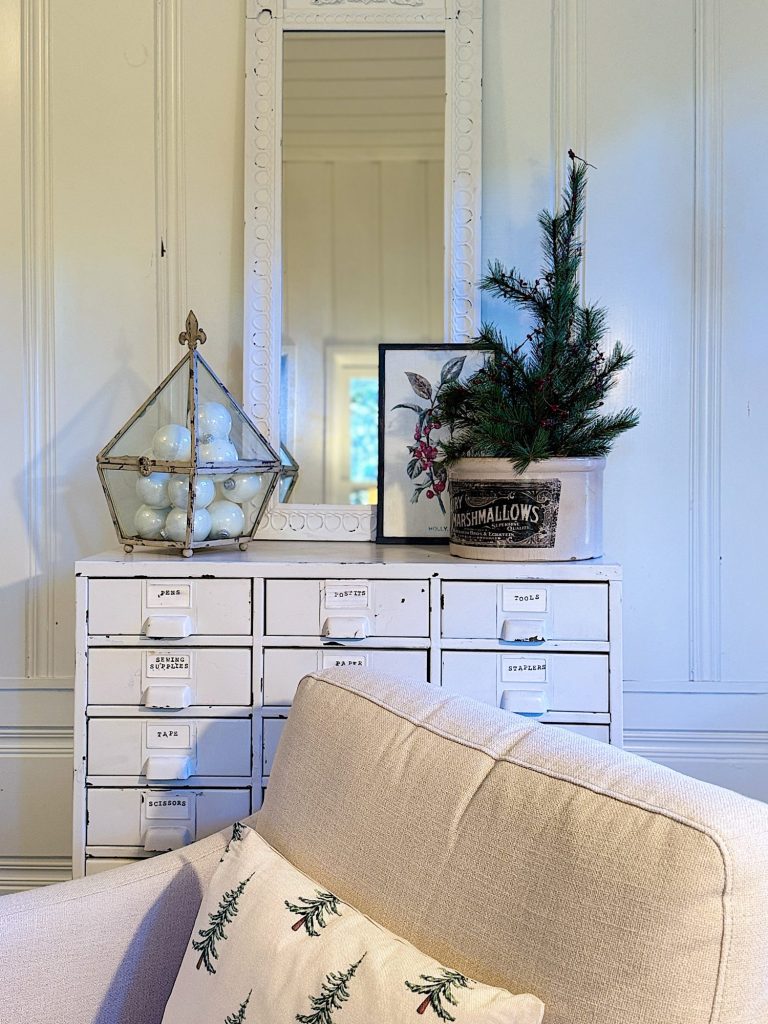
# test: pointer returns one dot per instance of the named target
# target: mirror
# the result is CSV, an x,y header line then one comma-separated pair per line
x,y
362,184
362,223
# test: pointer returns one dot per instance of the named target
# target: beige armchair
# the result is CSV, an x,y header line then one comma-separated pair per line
x,y
616,890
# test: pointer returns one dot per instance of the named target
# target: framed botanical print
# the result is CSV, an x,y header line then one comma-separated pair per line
x,y
413,479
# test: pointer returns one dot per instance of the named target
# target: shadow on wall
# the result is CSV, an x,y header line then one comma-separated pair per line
x,y
65,472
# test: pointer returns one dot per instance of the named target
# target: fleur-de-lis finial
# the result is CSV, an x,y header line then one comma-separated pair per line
x,y
193,333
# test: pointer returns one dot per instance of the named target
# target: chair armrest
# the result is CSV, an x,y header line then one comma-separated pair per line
x,y
104,949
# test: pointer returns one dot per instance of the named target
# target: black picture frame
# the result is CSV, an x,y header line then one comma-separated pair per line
x,y
393,486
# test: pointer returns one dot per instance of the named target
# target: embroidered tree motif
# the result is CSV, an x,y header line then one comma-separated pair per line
x,y
311,911
224,915
239,1017
334,992
438,989
238,831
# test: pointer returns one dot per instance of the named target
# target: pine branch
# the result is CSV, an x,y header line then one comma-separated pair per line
x,y
312,911
437,989
334,992
239,1017
214,933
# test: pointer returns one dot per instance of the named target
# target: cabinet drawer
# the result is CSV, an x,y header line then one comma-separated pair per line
x,y
169,609
170,677
347,609
284,668
95,865
169,750
161,819
595,732
529,683
524,611
272,730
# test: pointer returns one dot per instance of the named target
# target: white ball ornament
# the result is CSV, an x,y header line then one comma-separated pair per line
x,y
176,525
218,450
152,490
178,491
227,519
214,420
172,442
240,488
149,522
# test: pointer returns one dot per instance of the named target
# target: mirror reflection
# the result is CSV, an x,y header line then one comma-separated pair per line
x,y
362,220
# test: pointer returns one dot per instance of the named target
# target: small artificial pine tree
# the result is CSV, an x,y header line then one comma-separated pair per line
x,y
238,831
334,992
239,1017
436,989
312,911
539,399
227,909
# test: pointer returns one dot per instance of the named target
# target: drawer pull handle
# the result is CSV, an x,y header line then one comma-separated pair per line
x,y
346,627
164,767
169,837
522,631
168,627
529,703
173,698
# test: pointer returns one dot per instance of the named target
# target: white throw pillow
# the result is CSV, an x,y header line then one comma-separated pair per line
x,y
270,946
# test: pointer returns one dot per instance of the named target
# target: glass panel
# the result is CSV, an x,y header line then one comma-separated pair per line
x,y
224,433
163,429
362,232
156,507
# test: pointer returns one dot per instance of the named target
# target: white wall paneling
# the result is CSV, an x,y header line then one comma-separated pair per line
x,y
170,182
122,129
706,345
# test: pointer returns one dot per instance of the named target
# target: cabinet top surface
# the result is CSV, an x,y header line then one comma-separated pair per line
x,y
328,558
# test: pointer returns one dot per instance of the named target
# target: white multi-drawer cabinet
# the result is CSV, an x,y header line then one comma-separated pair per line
x,y
186,669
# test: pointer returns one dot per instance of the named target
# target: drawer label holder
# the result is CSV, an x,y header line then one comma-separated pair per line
x,y
168,820
169,595
523,668
346,594
168,665
169,736
523,599
344,661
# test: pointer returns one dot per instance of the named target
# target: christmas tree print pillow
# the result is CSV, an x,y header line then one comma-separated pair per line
x,y
270,946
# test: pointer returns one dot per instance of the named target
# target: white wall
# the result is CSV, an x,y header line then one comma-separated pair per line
x,y
122,129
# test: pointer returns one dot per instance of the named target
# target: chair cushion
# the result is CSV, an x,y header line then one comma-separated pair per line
x,y
526,856
270,945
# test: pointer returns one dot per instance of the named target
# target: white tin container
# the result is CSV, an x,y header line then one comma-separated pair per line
x,y
553,512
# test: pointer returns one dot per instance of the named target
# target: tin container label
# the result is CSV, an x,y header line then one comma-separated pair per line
x,y
173,736
168,665
167,805
169,595
346,594
523,668
495,514
345,660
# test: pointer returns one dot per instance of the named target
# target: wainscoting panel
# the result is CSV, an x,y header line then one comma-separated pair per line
x,y
36,790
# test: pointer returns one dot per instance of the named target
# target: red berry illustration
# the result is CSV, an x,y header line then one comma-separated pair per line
x,y
430,494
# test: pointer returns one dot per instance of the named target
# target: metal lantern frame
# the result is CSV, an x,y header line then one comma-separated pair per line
x,y
193,468
289,471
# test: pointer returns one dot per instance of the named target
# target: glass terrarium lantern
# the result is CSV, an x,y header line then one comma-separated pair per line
x,y
189,469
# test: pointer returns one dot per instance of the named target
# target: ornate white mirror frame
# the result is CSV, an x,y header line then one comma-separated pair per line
x,y
461,21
